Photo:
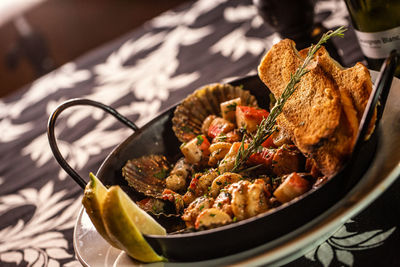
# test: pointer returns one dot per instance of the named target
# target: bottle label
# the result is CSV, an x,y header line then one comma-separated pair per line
x,y
378,45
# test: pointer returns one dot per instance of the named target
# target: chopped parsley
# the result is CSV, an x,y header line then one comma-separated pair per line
x,y
200,139
231,107
161,174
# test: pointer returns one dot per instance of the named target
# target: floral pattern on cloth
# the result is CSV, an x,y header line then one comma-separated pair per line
x,y
340,246
140,75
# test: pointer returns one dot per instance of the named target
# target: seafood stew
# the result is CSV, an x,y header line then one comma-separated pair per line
x,y
249,232
214,123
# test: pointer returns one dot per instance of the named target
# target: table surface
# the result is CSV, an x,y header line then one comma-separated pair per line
x,y
141,74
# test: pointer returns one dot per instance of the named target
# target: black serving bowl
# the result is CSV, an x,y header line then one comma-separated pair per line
x,y
157,137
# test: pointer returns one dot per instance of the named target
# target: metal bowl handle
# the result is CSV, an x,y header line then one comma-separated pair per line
x,y
52,139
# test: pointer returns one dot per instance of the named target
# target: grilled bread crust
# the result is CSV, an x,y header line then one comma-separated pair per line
x,y
323,114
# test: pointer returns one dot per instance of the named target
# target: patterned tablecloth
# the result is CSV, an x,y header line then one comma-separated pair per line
x,y
141,74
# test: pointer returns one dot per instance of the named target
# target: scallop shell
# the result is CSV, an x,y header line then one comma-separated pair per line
x,y
147,174
190,114
158,208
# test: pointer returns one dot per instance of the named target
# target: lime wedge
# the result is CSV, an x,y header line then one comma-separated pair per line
x,y
93,199
125,222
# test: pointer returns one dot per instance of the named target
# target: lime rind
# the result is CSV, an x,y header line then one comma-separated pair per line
x,y
93,199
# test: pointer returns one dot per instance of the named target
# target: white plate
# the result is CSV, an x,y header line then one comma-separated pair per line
x,y
92,250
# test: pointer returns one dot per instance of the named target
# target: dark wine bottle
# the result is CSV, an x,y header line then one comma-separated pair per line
x,y
377,26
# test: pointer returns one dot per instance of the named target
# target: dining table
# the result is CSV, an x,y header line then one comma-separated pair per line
x,y
141,74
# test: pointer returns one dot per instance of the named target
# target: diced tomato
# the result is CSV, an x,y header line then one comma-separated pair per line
x,y
168,194
215,130
263,157
254,113
269,142
204,144
250,117
235,147
194,182
196,149
219,126
144,201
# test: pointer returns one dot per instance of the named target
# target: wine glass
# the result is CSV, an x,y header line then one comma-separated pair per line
x,y
291,19
295,20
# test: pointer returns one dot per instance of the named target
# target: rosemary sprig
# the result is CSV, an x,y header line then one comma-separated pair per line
x,y
267,126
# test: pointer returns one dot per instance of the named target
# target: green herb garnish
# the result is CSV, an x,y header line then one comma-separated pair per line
x,y
231,107
200,140
161,174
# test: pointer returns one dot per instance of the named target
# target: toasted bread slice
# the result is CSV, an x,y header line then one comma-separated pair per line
x,y
355,80
323,114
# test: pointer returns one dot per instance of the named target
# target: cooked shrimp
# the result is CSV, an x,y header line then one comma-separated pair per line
x,y
256,200
195,208
230,137
218,152
222,181
176,181
219,126
223,202
229,160
199,186
211,218
248,199
239,199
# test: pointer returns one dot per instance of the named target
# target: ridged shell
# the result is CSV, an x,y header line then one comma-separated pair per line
x,y
190,114
147,174
163,208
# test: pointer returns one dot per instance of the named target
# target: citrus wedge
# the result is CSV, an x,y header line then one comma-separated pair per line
x,y
93,199
125,222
